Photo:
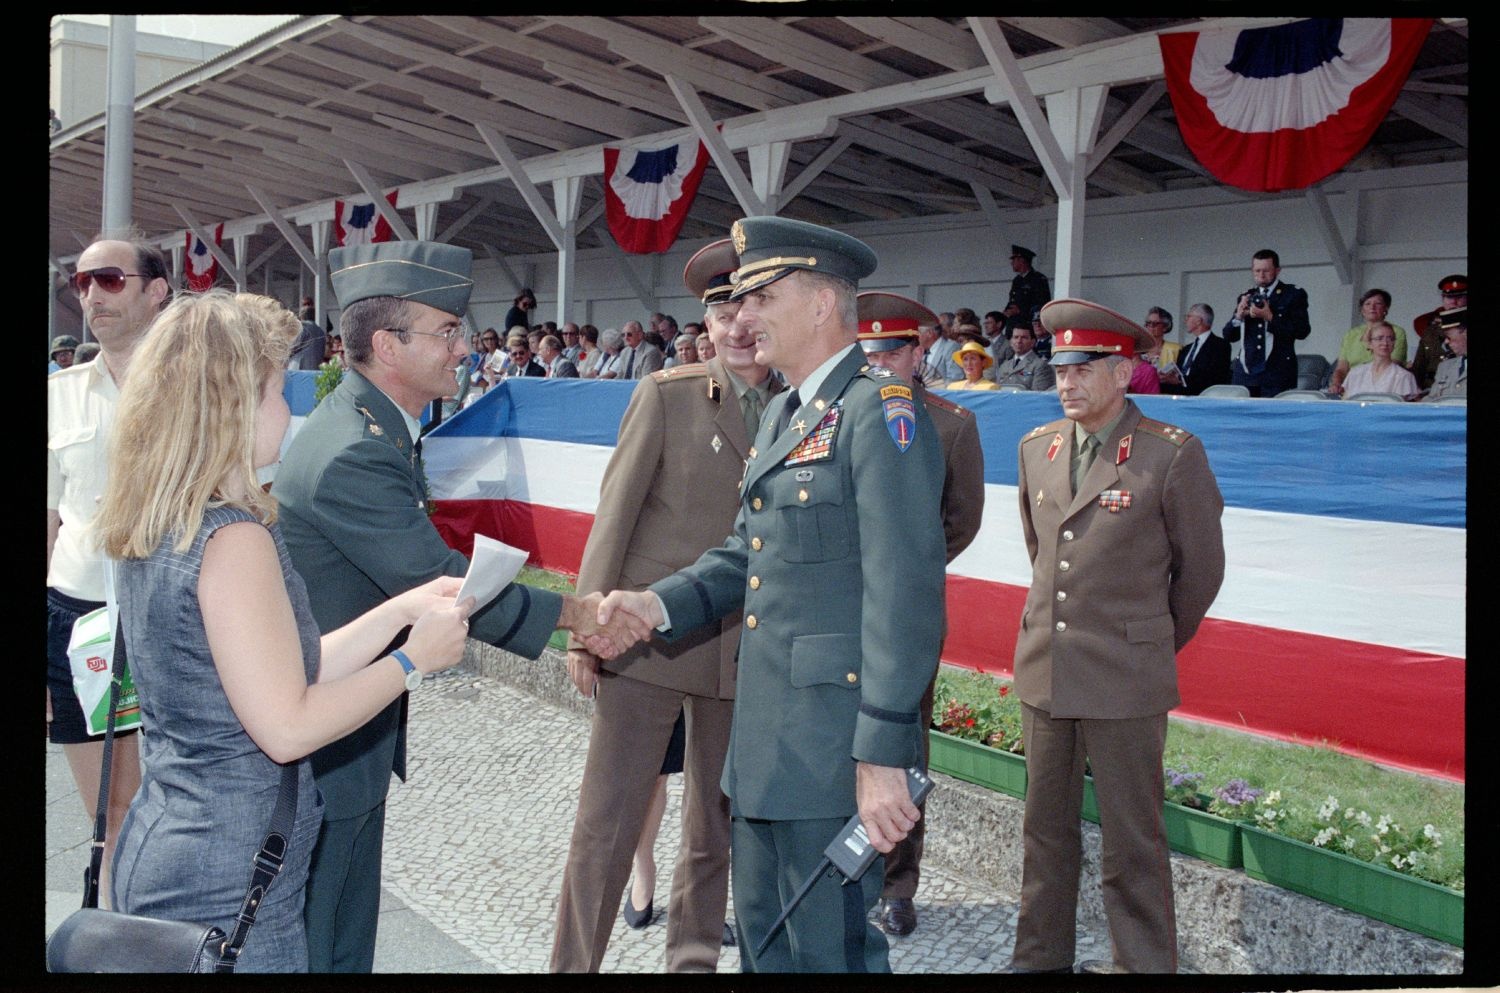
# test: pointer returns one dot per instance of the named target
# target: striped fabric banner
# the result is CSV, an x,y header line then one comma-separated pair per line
x,y
1341,621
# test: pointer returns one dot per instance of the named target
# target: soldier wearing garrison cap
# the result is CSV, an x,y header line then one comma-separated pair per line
x,y
837,562
888,326
1121,519
353,511
670,493
1432,348
1028,290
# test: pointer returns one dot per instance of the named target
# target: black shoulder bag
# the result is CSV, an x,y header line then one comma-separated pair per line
x,y
94,940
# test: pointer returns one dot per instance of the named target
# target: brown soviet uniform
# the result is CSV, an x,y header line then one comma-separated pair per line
x,y
670,492
1122,574
963,509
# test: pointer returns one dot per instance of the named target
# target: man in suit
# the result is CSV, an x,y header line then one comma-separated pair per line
x,y
1028,290
353,503
1452,379
837,562
1025,368
638,358
1121,519
522,362
888,326
550,351
1271,316
1203,363
669,494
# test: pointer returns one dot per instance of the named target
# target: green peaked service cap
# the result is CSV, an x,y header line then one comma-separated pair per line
x,y
772,247
424,271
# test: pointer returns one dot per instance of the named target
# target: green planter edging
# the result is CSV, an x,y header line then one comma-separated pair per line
x,y
1405,901
1203,835
980,764
1090,801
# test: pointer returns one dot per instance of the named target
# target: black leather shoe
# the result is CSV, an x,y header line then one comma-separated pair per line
x,y
636,918
729,939
898,916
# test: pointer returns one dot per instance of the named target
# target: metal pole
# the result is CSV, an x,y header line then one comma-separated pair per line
x,y
119,124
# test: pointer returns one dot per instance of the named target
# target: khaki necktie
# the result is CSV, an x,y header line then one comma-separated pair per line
x,y
751,407
1084,461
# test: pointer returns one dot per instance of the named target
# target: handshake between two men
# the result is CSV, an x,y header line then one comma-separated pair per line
x,y
625,618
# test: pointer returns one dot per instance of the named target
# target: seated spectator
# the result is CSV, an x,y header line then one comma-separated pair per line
x,y
572,349
687,350
706,348
336,350
1204,362
86,352
521,362
489,344
589,353
611,344
1431,347
552,360
933,371
1163,354
1041,334
1373,306
63,348
1143,375
1026,369
534,338
994,325
974,360
1452,378
1381,374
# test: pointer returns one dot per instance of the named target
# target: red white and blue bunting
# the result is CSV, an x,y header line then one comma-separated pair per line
x,y
648,193
1280,108
357,222
200,268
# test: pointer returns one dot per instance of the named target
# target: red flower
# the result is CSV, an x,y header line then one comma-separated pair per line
x,y
969,723
1005,691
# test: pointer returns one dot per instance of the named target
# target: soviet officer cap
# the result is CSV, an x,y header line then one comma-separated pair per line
x,y
888,320
1084,331
62,343
773,247
1453,285
1458,317
422,271
707,273
1025,253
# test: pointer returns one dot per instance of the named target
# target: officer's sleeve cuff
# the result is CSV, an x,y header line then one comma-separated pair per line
x,y
887,737
666,623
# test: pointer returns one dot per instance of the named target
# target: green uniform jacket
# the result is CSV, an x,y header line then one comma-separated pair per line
x,y
354,518
837,559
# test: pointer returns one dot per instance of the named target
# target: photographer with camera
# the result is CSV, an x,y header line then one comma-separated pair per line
x,y
1270,310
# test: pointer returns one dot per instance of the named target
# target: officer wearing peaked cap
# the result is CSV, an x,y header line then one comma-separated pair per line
x,y
670,492
1121,519
888,326
1432,349
837,562
352,498
1028,290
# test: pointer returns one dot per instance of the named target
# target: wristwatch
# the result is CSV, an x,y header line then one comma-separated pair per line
x,y
413,674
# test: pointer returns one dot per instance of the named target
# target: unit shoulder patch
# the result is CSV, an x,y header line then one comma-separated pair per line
x,y
1168,432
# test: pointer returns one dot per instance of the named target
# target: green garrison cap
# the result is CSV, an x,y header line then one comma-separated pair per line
x,y
707,273
771,247
423,271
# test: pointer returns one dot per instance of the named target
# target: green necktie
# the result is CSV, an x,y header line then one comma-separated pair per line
x,y
751,407
1084,460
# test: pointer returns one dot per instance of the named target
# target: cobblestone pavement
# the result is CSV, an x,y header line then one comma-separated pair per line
x,y
477,838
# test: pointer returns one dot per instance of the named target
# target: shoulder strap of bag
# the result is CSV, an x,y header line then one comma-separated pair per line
x,y
268,860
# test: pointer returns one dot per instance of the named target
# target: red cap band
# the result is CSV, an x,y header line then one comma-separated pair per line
x,y
1093,340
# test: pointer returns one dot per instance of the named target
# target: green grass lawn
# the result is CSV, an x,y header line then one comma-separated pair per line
x,y
547,580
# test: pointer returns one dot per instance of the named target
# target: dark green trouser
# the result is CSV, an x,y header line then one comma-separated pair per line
x,y
343,894
830,931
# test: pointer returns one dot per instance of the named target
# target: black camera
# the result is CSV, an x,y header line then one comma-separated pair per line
x,y
1257,298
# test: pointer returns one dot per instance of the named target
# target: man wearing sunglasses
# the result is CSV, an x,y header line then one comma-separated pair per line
x,y
353,499
121,285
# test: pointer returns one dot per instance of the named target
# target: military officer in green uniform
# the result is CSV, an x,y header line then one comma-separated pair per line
x,y
837,561
1028,290
353,512
1121,516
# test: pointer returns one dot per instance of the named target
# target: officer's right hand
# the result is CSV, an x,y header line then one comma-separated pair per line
x,y
630,616
437,638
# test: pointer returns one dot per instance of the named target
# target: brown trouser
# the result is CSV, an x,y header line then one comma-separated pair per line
x,y
1125,756
632,724
903,864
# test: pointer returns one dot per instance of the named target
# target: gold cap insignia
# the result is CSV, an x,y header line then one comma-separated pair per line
x,y
1067,337
737,234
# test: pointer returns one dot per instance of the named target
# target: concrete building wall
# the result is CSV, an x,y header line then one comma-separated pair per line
x,y
79,65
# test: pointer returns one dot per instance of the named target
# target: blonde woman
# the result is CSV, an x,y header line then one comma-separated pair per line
x,y
232,676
